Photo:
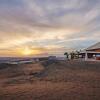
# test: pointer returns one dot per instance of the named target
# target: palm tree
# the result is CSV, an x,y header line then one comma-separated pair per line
x,y
66,54
72,55
77,53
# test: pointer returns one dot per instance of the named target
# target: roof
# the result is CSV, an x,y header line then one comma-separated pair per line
x,y
95,46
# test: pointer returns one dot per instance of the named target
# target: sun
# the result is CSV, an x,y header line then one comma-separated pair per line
x,y
27,51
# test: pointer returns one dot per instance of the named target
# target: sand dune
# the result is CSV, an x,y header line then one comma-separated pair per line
x,y
73,80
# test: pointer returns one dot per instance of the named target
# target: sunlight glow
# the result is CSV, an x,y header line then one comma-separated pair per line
x,y
27,51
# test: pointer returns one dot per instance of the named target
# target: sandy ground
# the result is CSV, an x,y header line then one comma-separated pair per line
x,y
72,80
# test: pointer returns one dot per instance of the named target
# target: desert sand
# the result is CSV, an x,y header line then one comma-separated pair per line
x,y
63,80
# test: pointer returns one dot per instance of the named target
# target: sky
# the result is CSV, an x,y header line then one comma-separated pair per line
x,y
47,27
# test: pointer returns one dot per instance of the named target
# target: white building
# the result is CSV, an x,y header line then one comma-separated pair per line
x,y
92,52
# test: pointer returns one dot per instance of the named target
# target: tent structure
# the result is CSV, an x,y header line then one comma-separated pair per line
x,y
92,52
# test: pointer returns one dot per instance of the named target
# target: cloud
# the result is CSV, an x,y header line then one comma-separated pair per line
x,y
37,23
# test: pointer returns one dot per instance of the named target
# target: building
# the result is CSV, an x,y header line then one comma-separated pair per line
x,y
54,58
61,58
92,52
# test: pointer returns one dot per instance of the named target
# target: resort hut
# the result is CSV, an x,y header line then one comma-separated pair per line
x,y
92,52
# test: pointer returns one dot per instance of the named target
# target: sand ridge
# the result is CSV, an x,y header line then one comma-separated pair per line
x,y
72,80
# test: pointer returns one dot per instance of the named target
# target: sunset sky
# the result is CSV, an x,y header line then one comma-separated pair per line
x,y
47,27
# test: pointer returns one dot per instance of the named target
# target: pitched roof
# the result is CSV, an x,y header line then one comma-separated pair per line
x,y
95,46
